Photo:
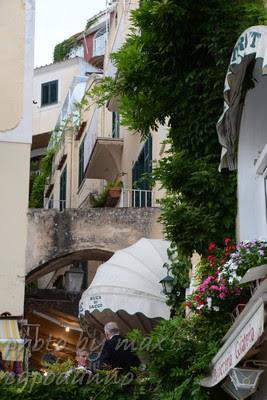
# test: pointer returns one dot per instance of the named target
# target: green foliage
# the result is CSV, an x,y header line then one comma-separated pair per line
x,y
37,193
176,58
99,94
62,50
179,355
58,367
100,200
56,386
90,22
247,255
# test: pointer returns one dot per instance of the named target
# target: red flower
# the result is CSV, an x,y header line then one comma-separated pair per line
x,y
212,260
211,246
227,241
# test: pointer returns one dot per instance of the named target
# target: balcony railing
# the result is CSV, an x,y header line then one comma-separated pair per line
x,y
131,198
56,204
137,198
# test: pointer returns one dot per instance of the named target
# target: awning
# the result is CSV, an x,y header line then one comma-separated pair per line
x,y
251,45
254,274
11,345
105,159
126,288
240,339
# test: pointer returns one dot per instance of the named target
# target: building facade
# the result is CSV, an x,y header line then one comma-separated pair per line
x,y
101,151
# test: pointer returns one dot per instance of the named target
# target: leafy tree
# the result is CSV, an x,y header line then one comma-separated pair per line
x,y
171,70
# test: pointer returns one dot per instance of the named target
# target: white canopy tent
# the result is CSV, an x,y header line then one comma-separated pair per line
x,y
126,288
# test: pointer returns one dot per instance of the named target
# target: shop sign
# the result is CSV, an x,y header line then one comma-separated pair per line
x,y
237,349
95,303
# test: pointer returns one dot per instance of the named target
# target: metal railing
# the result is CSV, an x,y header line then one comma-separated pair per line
x,y
130,198
55,204
137,198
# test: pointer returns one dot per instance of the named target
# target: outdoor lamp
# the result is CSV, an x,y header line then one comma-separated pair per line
x,y
74,279
241,383
167,282
245,378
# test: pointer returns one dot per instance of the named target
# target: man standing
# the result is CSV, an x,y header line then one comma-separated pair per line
x,y
117,351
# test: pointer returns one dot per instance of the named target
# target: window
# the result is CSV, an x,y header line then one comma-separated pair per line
x,y
50,202
100,42
81,162
76,52
49,93
141,167
63,189
115,125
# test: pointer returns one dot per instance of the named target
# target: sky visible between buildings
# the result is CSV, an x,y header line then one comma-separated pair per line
x,y
56,20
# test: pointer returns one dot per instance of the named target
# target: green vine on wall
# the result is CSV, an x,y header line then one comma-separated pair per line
x,y
40,180
62,50
90,22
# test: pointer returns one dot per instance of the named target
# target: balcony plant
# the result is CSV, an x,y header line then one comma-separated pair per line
x,y
114,193
248,254
219,289
109,196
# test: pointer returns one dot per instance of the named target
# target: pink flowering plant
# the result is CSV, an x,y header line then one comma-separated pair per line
x,y
215,292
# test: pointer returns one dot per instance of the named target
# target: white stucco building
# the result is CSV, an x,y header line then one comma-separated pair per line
x,y
240,366
16,58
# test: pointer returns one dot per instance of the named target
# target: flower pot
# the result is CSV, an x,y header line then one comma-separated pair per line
x,y
114,195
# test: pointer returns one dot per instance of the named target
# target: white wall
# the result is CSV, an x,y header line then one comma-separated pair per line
x,y
252,138
15,150
45,118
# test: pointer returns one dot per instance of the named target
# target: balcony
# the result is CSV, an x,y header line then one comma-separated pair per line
x,y
137,198
105,159
129,198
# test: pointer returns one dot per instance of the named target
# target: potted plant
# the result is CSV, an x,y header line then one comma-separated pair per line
x,y
109,197
114,193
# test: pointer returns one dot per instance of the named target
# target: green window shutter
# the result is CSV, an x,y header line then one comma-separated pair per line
x,y
63,189
49,93
81,162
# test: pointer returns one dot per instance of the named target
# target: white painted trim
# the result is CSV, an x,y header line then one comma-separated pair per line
x,y
261,163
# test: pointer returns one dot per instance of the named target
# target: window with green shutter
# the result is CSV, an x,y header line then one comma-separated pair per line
x,y
115,125
81,162
141,167
63,189
49,93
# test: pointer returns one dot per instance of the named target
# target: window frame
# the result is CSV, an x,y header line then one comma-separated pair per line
x,y
63,189
100,33
81,163
49,84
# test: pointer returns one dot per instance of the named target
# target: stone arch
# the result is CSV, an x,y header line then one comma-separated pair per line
x,y
57,238
65,259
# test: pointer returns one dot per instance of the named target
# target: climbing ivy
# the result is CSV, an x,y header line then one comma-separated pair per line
x,y
90,22
37,192
62,50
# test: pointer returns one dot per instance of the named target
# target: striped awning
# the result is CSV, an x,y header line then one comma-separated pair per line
x,y
11,345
